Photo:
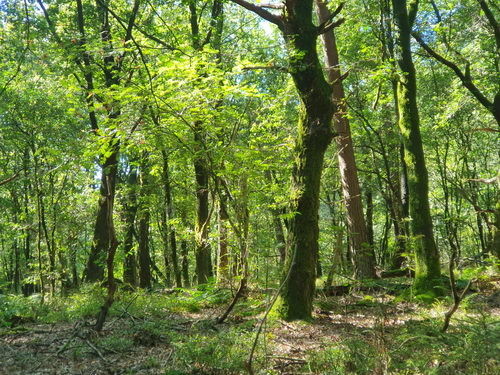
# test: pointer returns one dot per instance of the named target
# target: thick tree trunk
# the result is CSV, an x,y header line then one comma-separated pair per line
x,y
313,137
101,240
427,271
363,254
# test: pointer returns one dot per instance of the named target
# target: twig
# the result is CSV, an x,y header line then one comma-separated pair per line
x,y
9,179
65,346
456,297
94,348
293,360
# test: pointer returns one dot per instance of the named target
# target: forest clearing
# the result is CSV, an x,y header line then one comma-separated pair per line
x,y
247,187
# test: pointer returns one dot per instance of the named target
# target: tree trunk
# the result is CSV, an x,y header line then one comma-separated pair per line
x,y
143,217
130,207
202,251
185,264
167,215
363,254
94,270
427,270
223,274
198,42
369,216
279,232
313,137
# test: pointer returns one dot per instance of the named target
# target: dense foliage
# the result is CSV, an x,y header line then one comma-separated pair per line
x,y
297,148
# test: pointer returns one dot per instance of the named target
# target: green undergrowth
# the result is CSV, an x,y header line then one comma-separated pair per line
x,y
17,310
377,329
471,347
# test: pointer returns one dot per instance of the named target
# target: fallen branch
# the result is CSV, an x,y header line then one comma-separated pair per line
x,y
95,349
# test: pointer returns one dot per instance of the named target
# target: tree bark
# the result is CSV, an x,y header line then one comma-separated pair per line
x,y
202,172
223,273
94,270
130,206
144,218
202,251
313,137
427,266
167,215
363,254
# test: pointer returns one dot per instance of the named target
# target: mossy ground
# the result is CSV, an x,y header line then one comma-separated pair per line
x,y
174,332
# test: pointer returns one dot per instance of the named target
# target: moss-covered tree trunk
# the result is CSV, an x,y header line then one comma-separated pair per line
x,y
363,254
313,137
314,134
427,272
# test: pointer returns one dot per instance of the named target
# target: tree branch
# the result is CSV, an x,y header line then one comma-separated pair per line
x,y
492,20
121,21
328,24
266,67
464,77
268,16
11,178
272,6
436,11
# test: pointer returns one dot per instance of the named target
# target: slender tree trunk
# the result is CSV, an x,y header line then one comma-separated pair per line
x,y
369,216
73,265
144,219
279,232
29,287
168,214
427,272
400,195
402,211
130,207
495,243
16,274
363,254
223,274
202,251
102,244
185,264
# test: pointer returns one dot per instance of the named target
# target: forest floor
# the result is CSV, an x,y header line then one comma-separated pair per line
x,y
175,333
